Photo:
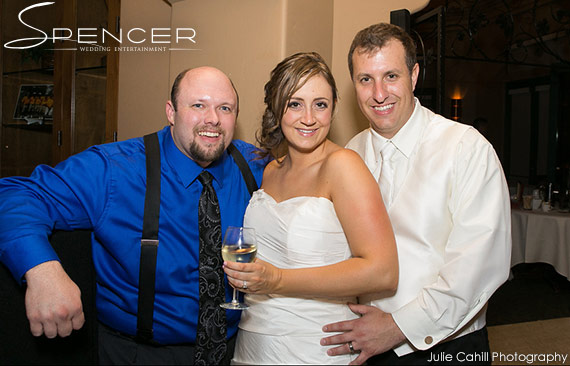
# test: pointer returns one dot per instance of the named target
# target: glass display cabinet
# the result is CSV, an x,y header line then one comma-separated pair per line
x,y
59,96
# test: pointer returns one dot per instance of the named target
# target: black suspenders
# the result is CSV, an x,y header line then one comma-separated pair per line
x,y
244,168
149,241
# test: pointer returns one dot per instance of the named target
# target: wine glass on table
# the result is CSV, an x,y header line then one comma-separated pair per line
x,y
239,245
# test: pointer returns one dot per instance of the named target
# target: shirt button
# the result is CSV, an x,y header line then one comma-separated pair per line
x,y
428,340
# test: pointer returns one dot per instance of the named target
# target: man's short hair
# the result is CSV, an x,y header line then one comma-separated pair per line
x,y
374,37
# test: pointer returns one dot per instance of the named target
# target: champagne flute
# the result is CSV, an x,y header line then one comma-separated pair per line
x,y
239,245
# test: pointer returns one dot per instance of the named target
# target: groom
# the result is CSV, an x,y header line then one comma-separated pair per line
x,y
448,202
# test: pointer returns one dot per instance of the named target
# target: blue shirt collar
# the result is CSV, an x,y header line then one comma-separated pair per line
x,y
187,169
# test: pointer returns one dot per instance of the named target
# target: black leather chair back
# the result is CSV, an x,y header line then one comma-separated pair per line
x,y
17,345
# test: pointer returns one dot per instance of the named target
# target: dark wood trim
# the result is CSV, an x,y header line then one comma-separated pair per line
x,y
1,84
112,92
64,85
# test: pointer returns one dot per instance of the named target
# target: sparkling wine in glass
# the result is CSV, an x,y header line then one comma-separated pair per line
x,y
239,245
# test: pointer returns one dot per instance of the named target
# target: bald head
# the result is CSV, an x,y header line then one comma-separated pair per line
x,y
206,74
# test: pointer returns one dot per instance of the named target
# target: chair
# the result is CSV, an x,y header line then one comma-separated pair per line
x,y
17,345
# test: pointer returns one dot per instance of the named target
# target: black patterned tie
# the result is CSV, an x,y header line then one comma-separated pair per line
x,y
211,331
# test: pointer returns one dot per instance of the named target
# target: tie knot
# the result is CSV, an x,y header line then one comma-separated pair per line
x,y
205,178
388,150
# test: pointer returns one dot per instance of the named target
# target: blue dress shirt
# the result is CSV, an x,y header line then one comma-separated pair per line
x,y
103,189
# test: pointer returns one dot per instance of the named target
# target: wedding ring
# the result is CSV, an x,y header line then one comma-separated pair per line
x,y
350,347
244,285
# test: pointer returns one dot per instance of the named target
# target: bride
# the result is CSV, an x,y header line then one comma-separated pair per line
x,y
323,233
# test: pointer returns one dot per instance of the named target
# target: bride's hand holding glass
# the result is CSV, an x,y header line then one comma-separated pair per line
x,y
259,277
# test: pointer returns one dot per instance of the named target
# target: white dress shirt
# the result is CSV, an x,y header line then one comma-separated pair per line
x,y
450,212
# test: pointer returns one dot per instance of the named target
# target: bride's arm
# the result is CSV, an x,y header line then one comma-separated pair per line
x,y
360,209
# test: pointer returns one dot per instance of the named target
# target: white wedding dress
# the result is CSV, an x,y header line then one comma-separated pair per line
x,y
296,233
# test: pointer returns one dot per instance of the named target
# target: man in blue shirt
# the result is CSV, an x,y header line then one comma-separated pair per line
x,y
103,189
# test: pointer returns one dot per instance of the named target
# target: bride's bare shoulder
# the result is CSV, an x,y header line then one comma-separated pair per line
x,y
272,169
343,158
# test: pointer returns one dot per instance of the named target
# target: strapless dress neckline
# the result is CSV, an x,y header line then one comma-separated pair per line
x,y
289,200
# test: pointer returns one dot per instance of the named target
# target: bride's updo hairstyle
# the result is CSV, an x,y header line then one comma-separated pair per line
x,y
286,78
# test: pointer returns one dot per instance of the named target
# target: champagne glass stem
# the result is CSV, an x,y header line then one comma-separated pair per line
x,y
234,300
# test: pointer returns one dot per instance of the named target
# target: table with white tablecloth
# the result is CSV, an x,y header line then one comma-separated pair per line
x,y
541,237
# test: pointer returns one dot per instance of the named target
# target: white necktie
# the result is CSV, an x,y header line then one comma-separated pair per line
x,y
386,179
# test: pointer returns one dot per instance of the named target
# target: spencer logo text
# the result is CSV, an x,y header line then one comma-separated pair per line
x,y
91,35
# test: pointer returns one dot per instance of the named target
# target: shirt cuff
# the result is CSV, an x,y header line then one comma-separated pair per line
x,y
418,328
26,253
